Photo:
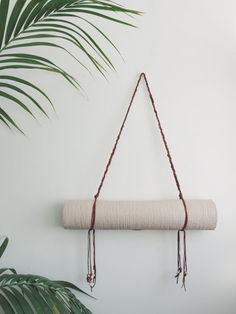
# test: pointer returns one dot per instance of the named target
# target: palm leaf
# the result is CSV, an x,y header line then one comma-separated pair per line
x,y
8,120
72,39
85,36
43,44
29,293
25,83
3,246
24,16
16,305
6,306
4,4
47,23
4,122
16,101
22,92
13,18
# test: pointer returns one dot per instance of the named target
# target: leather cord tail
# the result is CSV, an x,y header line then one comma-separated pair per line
x,y
179,264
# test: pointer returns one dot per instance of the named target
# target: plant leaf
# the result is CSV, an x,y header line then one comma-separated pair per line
x,y
3,246
19,90
4,4
24,82
46,44
94,26
13,300
89,40
5,122
96,14
13,19
25,14
34,12
17,101
24,304
32,59
4,303
36,65
56,303
72,39
51,6
43,293
3,270
71,286
10,120
38,303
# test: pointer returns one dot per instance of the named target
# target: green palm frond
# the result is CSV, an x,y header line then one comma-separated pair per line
x,y
30,294
50,23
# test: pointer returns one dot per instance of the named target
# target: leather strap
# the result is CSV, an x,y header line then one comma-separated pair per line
x,y
91,258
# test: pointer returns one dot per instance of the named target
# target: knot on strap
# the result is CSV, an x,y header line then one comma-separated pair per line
x,y
91,279
179,271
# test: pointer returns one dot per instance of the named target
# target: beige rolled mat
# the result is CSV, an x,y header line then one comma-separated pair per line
x,y
156,214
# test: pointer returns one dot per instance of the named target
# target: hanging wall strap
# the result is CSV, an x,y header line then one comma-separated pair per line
x,y
91,258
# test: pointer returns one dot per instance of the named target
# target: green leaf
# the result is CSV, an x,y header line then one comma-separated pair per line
x,y
71,286
19,90
57,304
3,270
13,300
4,303
38,304
3,246
50,7
4,4
36,65
31,5
94,26
17,101
10,120
22,300
72,39
30,58
70,79
78,307
89,40
24,82
42,292
106,7
40,295
46,44
96,14
5,122
13,19
34,12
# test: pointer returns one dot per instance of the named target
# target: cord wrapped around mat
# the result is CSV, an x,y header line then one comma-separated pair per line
x,y
160,214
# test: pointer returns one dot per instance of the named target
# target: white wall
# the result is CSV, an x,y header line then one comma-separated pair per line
x,y
188,50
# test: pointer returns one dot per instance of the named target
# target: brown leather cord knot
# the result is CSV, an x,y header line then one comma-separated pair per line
x,y
91,257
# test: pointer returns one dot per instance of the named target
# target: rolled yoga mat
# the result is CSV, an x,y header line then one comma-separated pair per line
x,y
136,215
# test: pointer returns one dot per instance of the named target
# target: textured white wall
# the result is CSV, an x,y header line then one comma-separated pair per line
x,y
188,50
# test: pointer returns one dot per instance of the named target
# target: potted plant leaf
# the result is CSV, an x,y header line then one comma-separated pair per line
x,y
29,294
